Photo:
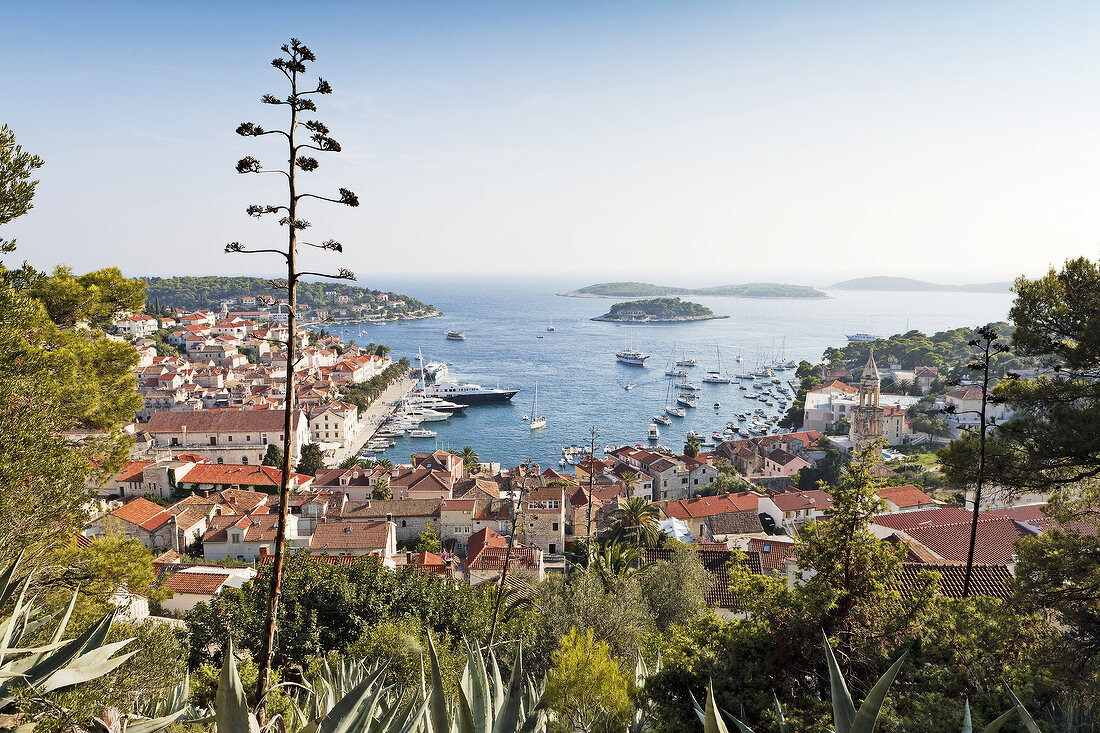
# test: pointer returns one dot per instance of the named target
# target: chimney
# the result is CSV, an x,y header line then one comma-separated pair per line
x,y
408,558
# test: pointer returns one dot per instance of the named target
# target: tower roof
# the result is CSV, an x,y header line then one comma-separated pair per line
x,y
870,370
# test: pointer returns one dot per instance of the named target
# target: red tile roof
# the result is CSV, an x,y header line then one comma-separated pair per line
x,y
351,536
994,544
905,496
773,552
485,550
224,420
199,583
144,513
795,500
218,474
925,517
706,506
985,580
132,472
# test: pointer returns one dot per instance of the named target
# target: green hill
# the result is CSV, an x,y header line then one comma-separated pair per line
x,y
657,310
746,290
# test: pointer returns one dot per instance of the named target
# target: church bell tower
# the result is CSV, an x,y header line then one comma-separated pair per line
x,y
866,417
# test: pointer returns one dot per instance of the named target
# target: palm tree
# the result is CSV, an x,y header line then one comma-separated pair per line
x,y
691,447
635,521
382,490
616,560
471,461
630,480
384,463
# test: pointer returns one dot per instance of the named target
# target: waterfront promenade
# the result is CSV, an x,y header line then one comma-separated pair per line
x,y
373,417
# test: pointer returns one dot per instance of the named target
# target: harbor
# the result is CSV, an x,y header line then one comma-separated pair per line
x,y
582,384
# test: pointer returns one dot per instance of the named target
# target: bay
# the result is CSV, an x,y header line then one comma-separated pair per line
x,y
580,382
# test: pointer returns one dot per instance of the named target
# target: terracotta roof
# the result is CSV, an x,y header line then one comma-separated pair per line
x,y
200,583
379,508
925,517
781,457
905,496
132,472
350,536
706,506
429,562
485,550
985,580
1028,513
837,385
257,527
218,474
773,552
739,523
225,420
994,544
144,513
966,393
423,479
791,501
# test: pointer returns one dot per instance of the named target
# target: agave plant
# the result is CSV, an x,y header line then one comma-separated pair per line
x,y
36,670
846,718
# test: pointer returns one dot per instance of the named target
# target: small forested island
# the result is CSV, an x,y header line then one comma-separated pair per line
x,y
341,301
746,290
658,310
908,284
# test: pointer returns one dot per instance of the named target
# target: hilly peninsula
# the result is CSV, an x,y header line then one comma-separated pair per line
x,y
895,284
648,290
657,310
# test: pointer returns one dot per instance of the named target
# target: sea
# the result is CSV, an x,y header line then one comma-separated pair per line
x,y
580,383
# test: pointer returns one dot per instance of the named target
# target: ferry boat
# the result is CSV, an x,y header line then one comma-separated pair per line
x,y
632,357
465,393
861,338
654,432
455,335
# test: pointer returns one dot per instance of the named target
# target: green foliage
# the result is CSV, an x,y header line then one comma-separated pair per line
x,y
692,445
381,489
192,293
328,607
311,461
829,472
660,309
364,393
273,456
636,522
428,541
586,689
676,590
95,298
809,376
16,186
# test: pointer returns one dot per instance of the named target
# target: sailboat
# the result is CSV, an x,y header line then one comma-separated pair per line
x,y
715,376
536,420
669,409
551,326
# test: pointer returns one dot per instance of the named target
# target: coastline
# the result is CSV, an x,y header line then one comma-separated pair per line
x,y
578,294
679,319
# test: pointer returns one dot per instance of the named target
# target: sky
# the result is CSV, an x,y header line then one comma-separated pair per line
x,y
693,143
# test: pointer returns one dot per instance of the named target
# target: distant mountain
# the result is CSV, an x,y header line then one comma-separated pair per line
x,y
746,290
883,282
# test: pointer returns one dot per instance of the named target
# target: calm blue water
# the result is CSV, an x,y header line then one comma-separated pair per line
x,y
581,383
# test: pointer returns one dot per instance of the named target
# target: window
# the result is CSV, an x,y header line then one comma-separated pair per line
x,y
263,440
220,460
553,548
248,438
235,537
230,438
213,440
175,441
403,523
555,529
244,460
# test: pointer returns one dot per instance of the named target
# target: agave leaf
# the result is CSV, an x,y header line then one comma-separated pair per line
x,y
83,669
508,712
6,586
48,664
498,687
712,721
872,704
17,612
968,723
232,714
996,724
844,710
154,724
779,713
356,709
437,699
1025,716
699,712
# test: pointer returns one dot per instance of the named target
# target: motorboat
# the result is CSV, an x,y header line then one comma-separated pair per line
x,y
421,433
632,357
465,393
663,419
676,411
861,338
717,405
688,386
628,387
453,335
676,373
654,431
687,400
715,378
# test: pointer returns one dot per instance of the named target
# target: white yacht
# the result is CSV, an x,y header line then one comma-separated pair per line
x,y
676,411
688,386
465,393
654,431
676,373
632,357
687,400
663,419
421,433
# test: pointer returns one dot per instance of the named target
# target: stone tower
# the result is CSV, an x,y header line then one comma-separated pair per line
x,y
866,418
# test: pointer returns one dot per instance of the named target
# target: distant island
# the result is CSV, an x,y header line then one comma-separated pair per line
x,y
317,301
648,290
657,310
883,282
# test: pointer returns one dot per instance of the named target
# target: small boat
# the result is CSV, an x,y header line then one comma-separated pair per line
x,y
551,326
687,362
687,400
628,386
717,405
688,386
676,373
539,336
695,434
654,431
526,418
420,433
537,421
715,378
663,419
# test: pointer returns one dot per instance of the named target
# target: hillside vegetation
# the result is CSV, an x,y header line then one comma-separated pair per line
x,y
658,310
188,293
745,290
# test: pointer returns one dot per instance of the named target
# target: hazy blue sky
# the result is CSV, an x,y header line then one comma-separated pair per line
x,y
679,141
